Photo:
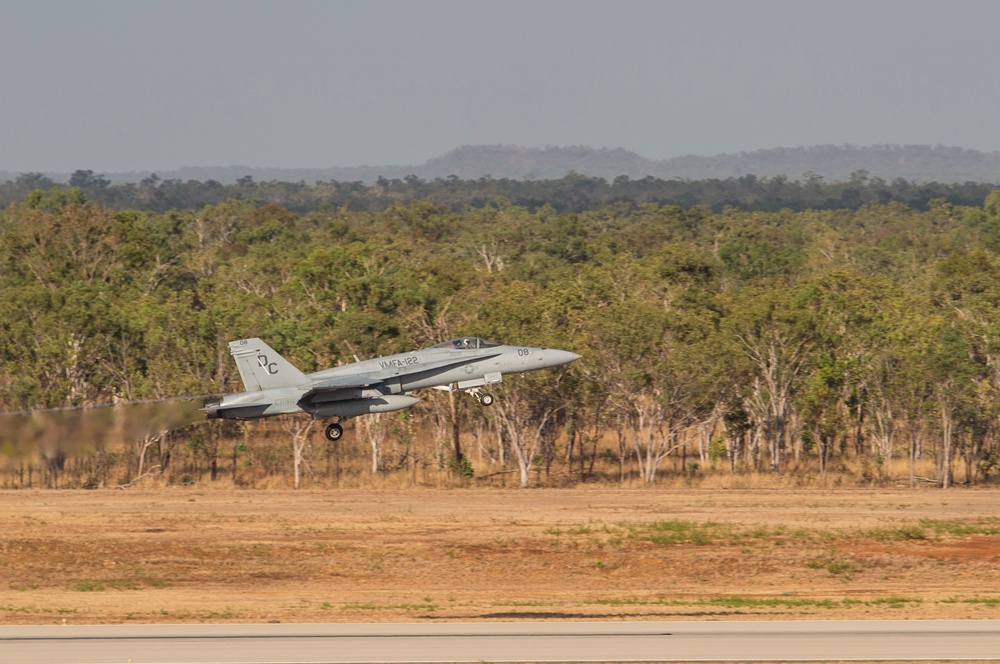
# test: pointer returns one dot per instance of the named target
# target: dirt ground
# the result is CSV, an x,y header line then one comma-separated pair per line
x,y
183,555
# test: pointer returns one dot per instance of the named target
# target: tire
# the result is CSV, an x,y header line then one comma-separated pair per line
x,y
334,432
486,399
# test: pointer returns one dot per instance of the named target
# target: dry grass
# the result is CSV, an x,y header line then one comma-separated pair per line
x,y
194,555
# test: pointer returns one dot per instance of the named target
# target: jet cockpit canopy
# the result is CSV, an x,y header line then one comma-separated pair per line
x,y
467,343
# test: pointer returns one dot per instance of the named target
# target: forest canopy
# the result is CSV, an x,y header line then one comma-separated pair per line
x,y
757,340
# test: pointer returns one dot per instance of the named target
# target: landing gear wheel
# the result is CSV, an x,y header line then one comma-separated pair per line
x,y
486,399
334,432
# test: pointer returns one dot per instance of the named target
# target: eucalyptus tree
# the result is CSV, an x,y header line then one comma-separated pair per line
x,y
776,338
529,410
966,285
845,389
646,327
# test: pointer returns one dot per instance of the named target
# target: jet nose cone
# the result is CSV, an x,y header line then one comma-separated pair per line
x,y
555,358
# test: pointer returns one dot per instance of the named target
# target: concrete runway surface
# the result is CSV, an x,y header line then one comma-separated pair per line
x,y
820,640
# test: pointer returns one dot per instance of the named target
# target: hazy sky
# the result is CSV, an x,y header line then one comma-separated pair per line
x,y
116,86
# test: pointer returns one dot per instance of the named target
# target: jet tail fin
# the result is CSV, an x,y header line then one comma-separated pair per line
x,y
261,368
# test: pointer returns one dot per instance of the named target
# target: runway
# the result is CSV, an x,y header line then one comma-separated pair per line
x,y
821,640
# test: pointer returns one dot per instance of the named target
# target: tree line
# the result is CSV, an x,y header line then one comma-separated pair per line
x,y
856,342
572,193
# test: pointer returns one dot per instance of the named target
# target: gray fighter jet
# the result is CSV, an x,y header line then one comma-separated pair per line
x,y
275,387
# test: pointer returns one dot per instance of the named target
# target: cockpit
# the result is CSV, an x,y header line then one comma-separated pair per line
x,y
466,343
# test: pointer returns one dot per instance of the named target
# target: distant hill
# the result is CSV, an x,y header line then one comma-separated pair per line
x,y
916,163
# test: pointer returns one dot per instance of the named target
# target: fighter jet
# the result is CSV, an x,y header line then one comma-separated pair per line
x,y
275,387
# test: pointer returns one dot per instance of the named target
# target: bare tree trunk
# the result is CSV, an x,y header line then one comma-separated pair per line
x,y
456,428
144,444
300,429
524,429
376,429
947,435
884,424
620,429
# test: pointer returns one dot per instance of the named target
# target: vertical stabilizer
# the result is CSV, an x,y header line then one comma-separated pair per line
x,y
261,368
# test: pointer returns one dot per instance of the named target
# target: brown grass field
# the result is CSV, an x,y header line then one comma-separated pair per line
x,y
199,555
